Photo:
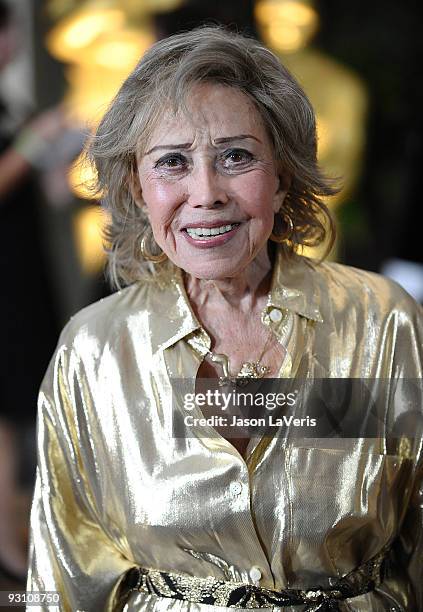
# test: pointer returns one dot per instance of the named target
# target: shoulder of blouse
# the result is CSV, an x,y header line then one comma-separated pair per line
x,y
106,317
109,309
345,288
142,308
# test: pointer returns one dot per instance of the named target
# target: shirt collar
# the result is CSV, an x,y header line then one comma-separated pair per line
x,y
171,316
293,288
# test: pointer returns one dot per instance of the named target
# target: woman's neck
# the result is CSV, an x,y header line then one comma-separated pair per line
x,y
242,292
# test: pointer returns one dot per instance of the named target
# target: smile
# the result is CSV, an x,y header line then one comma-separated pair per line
x,y
205,233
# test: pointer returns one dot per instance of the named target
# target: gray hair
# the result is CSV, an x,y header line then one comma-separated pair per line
x,y
162,80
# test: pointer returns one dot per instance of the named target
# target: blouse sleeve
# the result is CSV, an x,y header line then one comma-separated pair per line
x,y
411,541
70,552
409,364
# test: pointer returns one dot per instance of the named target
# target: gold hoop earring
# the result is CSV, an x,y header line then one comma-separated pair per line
x,y
287,235
146,253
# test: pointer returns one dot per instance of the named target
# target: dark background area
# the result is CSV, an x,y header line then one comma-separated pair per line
x,y
382,42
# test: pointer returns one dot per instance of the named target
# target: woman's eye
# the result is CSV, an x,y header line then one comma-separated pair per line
x,y
236,157
170,162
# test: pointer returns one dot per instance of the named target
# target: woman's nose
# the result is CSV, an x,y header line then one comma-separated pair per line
x,y
206,188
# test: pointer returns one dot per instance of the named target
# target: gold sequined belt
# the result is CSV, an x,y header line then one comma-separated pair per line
x,y
232,594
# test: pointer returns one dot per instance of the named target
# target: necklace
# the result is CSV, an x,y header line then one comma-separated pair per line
x,y
250,370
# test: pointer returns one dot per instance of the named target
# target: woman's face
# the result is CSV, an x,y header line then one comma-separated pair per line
x,y
210,184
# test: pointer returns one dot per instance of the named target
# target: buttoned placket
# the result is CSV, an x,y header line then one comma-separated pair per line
x,y
258,571
238,492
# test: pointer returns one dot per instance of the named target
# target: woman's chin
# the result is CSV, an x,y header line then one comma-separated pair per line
x,y
212,271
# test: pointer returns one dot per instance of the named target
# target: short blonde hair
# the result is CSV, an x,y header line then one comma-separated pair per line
x,y
163,79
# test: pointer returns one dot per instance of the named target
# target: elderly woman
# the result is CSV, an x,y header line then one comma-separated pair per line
x,y
206,160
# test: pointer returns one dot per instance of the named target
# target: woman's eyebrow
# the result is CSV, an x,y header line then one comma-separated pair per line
x,y
186,145
231,138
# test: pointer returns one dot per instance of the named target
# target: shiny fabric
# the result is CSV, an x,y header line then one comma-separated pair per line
x,y
115,490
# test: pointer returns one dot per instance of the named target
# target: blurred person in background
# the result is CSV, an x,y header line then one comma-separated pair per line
x,y
27,306
207,163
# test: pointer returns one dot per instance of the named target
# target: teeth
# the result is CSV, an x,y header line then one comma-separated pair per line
x,y
201,232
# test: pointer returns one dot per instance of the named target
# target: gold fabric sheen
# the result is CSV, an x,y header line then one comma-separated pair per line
x,y
115,490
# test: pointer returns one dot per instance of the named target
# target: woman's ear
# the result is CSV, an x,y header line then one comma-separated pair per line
x,y
284,182
283,188
135,187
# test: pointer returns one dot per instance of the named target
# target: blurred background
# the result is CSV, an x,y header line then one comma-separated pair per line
x,y
61,62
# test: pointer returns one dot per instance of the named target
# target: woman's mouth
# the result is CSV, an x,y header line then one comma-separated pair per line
x,y
210,236
205,233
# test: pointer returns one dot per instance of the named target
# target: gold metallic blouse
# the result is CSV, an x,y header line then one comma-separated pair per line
x,y
115,490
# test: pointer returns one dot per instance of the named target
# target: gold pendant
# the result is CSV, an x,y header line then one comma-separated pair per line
x,y
253,369
250,370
